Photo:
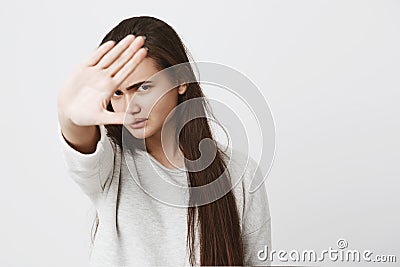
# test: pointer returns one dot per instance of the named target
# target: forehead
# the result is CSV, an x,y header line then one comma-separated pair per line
x,y
143,72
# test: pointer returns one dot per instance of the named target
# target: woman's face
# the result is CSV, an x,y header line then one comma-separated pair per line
x,y
152,100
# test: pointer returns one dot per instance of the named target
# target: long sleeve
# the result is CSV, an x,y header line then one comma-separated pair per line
x,y
257,246
89,171
256,221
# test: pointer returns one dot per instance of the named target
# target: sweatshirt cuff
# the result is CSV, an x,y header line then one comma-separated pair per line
x,y
80,161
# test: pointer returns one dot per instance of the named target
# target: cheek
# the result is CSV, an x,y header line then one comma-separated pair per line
x,y
117,106
165,106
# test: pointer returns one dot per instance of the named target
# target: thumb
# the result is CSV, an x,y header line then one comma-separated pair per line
x,y
109,117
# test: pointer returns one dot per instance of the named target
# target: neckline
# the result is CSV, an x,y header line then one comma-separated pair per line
x,y
174,170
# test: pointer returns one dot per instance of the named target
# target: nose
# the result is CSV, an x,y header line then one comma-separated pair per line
x,y
131,104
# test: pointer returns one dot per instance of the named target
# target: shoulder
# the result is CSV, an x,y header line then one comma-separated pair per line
x,y
241,166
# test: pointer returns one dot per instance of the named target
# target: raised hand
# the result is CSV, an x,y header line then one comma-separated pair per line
x,y
84,97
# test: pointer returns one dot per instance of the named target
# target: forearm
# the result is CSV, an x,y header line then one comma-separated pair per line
x,y
81,138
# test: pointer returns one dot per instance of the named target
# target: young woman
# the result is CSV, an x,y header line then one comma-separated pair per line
x,y
118,137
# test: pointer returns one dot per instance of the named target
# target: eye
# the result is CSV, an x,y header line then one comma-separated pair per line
x,y
145,87
117,93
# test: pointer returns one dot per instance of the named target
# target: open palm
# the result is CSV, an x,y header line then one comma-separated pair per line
x,y
84,97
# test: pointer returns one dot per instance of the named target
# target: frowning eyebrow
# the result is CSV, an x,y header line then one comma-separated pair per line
x,y
136,85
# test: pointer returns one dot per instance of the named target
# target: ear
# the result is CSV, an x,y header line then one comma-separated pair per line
x,y
182,89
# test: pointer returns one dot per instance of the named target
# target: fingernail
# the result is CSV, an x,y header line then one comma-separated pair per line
x,y
146,48
144,37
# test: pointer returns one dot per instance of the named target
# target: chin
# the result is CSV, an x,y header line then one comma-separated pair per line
x,y
141,133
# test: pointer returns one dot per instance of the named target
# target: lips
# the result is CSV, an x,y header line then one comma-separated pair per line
x,y
138,123
139,120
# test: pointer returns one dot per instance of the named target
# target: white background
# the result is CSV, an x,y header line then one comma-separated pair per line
x,y
329,70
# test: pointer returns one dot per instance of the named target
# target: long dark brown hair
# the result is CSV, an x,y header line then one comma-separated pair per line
x,y
218,221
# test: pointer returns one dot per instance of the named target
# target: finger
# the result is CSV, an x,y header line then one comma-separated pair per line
x,y
130,66
115,52
99,53
125,56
